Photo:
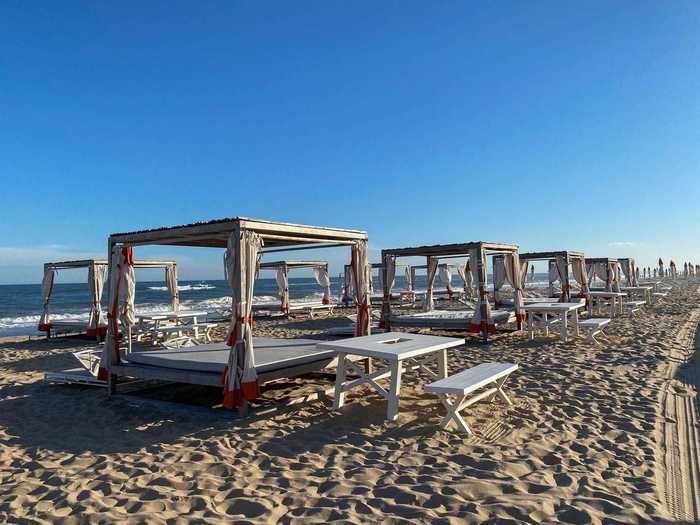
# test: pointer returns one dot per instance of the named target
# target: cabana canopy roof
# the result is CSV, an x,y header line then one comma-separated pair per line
x,y
441,250
86,263
540,256
273,265
215,234
601,260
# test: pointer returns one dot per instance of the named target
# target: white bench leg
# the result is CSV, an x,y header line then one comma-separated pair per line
x,y
453,414
339,382
442,364
392,410
501,393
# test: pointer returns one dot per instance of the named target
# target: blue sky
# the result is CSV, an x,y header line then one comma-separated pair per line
x,y
546,124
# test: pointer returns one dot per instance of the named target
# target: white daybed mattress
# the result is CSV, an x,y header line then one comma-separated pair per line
x,y
270,354
452,319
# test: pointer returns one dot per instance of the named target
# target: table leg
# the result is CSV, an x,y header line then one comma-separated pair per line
x,y
442,364
576,330
339,382
196,330
545,319
530,331
564,326
392,411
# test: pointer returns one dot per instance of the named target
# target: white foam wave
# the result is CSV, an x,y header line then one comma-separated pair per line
x,y
27,324
184,287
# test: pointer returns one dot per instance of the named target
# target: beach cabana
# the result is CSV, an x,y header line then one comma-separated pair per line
x,y
563,266
445,272
629,271
606,269
348,291
481,319
241,363
282,269
96,325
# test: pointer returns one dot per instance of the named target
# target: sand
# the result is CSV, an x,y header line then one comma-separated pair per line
x,y
596,435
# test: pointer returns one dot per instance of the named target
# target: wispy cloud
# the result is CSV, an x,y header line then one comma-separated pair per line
x,y
622,243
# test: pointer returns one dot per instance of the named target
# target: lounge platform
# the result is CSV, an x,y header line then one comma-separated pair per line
x,y
204,364
452,319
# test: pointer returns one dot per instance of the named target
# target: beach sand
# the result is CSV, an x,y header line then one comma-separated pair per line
x,y
596,435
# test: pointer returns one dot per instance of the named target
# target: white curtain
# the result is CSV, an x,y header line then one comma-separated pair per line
x,y
512,269
171,283
562,267
348,284
627,271
46,289
603,271
428,302
324,281
499,278
523,272
615,270
408,271
362,275
122,291
242,258
282,278
96,281
389,266
445,273
466,275
477,259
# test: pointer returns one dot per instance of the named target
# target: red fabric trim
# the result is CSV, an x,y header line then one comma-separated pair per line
x,y
478,328
231,340
251,389
102,374
326,299
44,327
232,399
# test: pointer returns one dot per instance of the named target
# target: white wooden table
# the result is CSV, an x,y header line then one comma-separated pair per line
x,y
394,349
539,313
151,322
615,299
645,292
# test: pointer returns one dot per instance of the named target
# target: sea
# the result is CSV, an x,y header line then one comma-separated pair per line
x,y
20,304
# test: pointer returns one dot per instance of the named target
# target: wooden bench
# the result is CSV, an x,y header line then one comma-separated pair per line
x,y
205,329
657,296
593,327
454,390
634,306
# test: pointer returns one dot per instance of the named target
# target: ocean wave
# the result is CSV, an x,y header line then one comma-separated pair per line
x,y
184,287
27,324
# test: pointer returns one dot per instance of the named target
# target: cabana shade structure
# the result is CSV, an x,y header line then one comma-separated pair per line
x,y
606,269
629,270
97,270
319,268
560,262
444,275
481,321
245,241
348,290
